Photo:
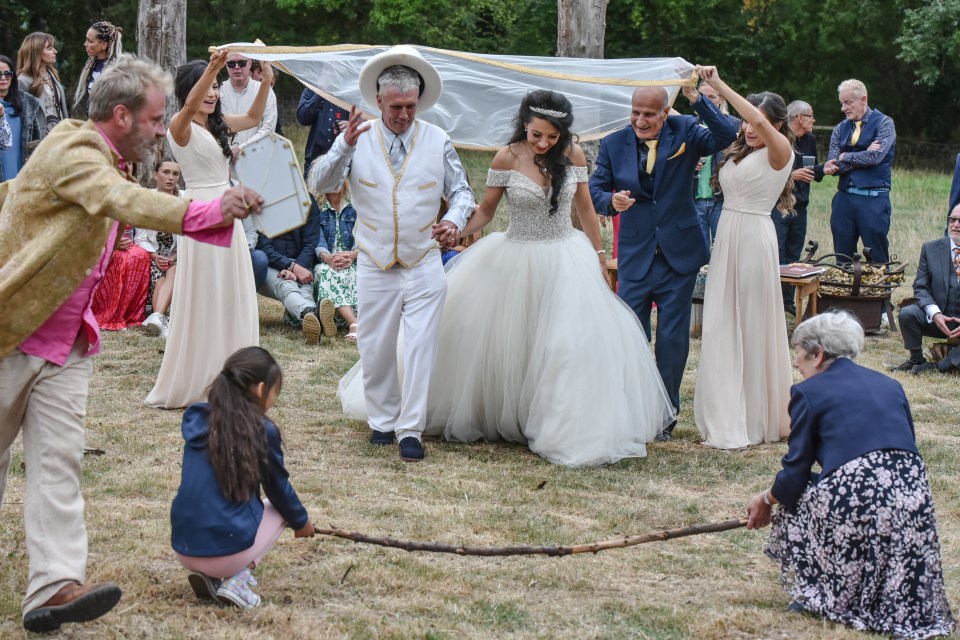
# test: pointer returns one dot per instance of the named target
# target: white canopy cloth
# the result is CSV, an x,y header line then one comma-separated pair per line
x,y
481,92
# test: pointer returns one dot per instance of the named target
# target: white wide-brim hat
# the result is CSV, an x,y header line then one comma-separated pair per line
x,y
431,86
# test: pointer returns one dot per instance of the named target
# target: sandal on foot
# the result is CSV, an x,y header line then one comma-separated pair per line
x,y
352,336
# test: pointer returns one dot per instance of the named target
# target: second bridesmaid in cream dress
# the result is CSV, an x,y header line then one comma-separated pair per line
x,y
744,375
214,308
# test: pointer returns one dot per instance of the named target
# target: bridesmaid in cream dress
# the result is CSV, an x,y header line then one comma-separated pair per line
x,y
214,308
744,375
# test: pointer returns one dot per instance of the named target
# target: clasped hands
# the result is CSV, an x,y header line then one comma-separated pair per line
x,y
942,321
446,233
340,260
297,272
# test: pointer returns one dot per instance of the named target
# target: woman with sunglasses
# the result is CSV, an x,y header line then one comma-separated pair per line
x,y
103,45
25,118
38,77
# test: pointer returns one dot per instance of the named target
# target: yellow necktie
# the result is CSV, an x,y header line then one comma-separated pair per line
x,y
651,154
856,133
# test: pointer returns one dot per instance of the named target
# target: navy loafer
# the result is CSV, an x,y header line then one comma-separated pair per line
x,y
411,450
381,438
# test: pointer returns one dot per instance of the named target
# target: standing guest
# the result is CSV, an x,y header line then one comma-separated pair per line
x,y
861,154
857,542
214,302
743,378
792,229
256,73
23,115
291,257
643,174
324,118
220,526
103,44
120,299
335,276
400,278
954,187
162,247
707,198
937,311
59,222
38,77
239,94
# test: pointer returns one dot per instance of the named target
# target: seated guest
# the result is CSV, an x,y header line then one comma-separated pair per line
x,y
120,300
857,542
162,248
335,276
290,274
937,311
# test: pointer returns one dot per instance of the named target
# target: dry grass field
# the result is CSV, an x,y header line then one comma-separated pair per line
x,y
709,586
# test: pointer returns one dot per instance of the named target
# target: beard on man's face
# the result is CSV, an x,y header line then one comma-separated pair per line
x,y
141,147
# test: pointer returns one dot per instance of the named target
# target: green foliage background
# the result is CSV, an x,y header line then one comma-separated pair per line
x,y
904,50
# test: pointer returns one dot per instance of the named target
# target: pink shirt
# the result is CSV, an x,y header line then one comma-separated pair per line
x,y
74,319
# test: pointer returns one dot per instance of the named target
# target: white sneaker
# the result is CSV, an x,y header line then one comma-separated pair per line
x,y
154,323
166,328
236,590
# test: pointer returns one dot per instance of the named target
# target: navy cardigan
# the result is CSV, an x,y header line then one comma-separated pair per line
x,y
203,522
836,416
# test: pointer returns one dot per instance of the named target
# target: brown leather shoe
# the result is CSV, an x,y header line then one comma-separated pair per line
x,y
74,602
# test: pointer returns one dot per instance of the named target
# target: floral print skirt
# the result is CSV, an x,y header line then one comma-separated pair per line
x,y
338,286
861,548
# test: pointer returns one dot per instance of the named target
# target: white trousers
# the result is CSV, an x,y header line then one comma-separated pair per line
x,y
385,299
48,404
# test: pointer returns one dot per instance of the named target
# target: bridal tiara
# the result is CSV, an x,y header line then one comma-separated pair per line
x,y
549,112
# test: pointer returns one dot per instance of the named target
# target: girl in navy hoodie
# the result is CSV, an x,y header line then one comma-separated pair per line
x,y
220,526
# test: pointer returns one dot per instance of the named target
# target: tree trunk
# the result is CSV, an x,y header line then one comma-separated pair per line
x,y
581,25
162,37
580,28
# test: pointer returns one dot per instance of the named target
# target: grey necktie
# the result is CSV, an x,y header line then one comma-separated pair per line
x,y
397,154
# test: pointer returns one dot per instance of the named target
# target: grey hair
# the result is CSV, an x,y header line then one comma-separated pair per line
x,y
399,78
126,82
665,97
796,108
835,333
858,88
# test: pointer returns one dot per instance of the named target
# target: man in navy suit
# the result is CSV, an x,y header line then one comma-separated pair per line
x,y
955,187
861,154
937,312
643,174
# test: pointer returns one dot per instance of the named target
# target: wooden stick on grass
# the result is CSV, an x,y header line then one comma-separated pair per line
x,y
524,550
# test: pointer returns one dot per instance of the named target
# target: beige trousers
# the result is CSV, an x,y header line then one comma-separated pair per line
x,y
48,403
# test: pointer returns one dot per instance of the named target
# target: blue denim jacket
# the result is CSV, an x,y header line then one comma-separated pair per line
x,y
329,221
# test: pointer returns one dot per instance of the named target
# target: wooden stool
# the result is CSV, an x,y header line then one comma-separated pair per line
x,y
612,272
805,288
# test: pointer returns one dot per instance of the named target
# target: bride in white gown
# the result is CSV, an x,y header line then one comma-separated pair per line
x,y
534,348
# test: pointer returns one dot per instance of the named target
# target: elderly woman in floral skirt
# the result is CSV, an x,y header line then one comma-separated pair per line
x,y
857,542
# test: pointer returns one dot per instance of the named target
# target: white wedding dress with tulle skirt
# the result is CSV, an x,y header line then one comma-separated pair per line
x,y
534,348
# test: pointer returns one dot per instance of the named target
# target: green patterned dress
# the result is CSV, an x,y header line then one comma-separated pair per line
x,y
338,286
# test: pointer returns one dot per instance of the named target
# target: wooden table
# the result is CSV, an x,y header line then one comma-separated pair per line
x,y
808,288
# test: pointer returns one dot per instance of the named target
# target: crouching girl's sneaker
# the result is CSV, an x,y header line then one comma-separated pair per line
x,y
236,590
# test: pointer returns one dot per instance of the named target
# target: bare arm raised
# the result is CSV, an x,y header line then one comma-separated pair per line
x,y
779,152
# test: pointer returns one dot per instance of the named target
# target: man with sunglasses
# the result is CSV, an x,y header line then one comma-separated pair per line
x,y
937,311
238,94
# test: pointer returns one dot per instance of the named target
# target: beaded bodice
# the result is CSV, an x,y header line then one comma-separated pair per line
x,y
530,219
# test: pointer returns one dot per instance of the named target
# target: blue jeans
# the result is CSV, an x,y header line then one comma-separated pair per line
x,y
704,209
260,266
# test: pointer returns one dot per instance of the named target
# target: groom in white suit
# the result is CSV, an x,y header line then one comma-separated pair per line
x,y
399,169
